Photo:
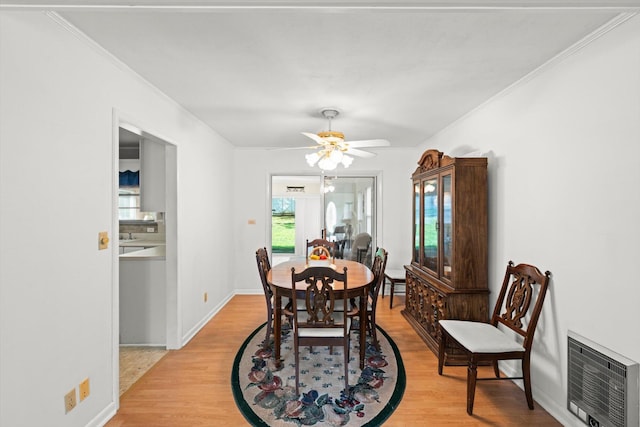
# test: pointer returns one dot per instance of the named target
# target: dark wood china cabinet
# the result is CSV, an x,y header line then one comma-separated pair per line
x,y
447,277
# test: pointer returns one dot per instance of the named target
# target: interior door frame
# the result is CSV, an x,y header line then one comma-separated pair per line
x,y
173,309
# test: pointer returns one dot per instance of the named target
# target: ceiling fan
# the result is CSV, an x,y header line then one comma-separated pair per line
x,y
332,149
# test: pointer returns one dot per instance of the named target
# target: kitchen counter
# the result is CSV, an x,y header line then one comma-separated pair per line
x,y
151,253
141,243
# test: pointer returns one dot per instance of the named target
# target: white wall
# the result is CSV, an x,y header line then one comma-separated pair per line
x,y
564,194
58,95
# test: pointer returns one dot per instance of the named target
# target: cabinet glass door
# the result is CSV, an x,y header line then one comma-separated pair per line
x,y
447,229
430,224
416,222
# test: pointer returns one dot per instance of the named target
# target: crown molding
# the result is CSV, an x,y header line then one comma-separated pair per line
x,y
615,5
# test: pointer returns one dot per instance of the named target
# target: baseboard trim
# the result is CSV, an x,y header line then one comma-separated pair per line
x,y
104,416
193,331
560,413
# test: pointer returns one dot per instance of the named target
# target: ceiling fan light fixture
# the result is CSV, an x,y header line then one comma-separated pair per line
x,y
332,149
332,136
327,164
346,161
312,159
336,156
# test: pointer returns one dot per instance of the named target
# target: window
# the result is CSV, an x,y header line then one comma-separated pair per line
x,y
129,203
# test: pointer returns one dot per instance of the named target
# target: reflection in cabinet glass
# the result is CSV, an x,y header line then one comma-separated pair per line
x,y
430,225
446,226
416,222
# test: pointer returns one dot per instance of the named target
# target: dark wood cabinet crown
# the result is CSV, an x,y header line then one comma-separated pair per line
x,y
447,276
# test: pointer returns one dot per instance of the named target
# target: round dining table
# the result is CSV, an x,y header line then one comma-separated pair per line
x,y
359,277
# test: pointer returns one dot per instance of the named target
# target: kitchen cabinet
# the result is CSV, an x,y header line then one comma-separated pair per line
x,y
143,301
152,176
447,276
128,246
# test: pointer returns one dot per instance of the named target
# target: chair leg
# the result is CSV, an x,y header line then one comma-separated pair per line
x,y
346,368
443,343
297,359
269,328
496,368
372,330
391,294
472,374
526,376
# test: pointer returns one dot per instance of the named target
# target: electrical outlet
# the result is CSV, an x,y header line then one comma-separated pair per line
x,y
83,389
70,401
206,297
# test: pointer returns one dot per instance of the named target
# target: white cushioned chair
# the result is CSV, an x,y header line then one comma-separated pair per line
x,y
485,342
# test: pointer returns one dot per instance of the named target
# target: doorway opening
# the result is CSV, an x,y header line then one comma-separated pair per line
x,y
145,286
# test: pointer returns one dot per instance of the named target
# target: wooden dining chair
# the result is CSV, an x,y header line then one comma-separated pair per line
x,y
485,342
264,266
321,243
378,269
319,323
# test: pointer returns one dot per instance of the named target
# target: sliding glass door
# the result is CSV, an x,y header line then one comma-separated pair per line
x,y
349,215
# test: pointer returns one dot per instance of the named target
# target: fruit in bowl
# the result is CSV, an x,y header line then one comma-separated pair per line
x,y
319,256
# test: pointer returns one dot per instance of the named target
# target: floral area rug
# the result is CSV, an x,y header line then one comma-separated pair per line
x,y
266,395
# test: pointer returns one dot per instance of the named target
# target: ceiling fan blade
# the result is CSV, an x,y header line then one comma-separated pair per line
x,y
369,143
315,137
307,147
360,153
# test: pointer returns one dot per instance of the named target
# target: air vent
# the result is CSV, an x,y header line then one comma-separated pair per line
x,y
602,385
295,189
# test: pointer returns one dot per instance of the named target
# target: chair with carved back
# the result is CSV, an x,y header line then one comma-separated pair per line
x,y
264,266
378,269
321,246
523,285
319,323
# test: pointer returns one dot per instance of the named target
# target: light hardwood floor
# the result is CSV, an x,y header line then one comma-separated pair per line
x,y
192,386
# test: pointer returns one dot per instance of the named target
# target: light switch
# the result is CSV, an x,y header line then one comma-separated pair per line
x,y
103,240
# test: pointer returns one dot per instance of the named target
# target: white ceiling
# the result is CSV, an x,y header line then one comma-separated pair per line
x,y
258,72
